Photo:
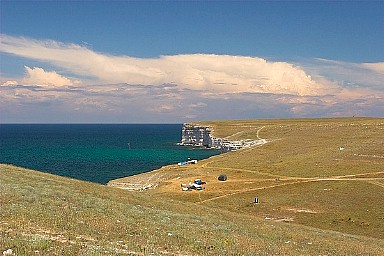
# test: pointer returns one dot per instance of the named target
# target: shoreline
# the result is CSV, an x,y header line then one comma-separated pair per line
x,y
96,153
152,179
149,180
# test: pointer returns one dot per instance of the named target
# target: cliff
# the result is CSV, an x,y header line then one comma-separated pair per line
x,y
195,135
201,136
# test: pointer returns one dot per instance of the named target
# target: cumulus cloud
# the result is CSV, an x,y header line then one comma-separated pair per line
x,y
9,83
236,74
38,76
182,87
216,73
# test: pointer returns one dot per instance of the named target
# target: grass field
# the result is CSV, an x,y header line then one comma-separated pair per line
x,y
320,185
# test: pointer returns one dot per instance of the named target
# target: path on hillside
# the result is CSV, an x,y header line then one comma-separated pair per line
x,y
297,180
240,132
214,158
258,131
306,180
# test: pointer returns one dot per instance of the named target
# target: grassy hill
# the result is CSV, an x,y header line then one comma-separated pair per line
x,y
320,183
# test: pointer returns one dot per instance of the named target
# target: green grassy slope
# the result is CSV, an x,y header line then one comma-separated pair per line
x,y
312,209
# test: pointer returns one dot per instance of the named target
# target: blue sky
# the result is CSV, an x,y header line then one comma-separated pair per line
x,y
150,62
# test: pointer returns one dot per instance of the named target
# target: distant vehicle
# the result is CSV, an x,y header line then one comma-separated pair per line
x,y
187,162
197,184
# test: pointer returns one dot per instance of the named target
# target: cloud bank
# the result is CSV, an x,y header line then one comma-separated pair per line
x,y
178,88
217,73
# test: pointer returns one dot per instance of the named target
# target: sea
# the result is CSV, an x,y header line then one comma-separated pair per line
x,y
95,152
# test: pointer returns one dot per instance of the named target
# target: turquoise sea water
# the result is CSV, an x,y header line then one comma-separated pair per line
x,y
94,152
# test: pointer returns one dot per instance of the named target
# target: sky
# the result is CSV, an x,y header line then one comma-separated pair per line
x,y
181,61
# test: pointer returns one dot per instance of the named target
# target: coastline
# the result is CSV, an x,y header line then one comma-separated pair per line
x,y
95,152
152,179
306,166
195,135
205,131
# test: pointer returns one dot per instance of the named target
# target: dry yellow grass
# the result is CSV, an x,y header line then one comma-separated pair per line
x,y
315,199
323,173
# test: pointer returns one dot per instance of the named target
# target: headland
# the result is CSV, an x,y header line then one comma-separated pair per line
x,y
315,188
324,173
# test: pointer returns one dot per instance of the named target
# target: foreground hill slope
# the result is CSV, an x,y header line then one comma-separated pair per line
x,y
315,199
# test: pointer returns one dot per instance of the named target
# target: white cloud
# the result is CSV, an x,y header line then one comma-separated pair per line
x,y
377,67
235,74
215,73
183,87
38,76
9,83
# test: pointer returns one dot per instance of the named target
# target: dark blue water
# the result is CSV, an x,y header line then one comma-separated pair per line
x,y
94,152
